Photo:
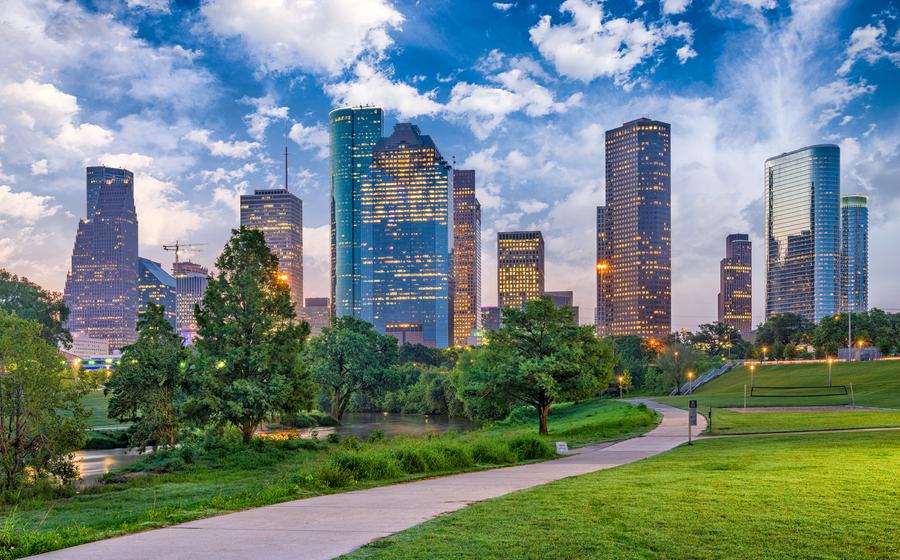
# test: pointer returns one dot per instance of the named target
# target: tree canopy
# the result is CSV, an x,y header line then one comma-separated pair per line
x,y
29,301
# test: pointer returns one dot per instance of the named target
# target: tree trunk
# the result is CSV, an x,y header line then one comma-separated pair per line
x,y
336,405
543,411
247,432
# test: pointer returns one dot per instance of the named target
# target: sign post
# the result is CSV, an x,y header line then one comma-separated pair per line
x,y
692,418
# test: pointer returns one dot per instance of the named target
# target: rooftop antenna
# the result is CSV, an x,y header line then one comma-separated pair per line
x,y
285,167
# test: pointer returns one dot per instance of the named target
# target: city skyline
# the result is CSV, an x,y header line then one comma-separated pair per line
x,y
196,148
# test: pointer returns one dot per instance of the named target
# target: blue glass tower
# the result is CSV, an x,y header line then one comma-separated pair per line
x,y
406,213
157,286
354,133
802,195
855,253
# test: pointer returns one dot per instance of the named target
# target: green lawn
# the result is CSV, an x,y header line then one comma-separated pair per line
x,y
96,402
875,384
768,497
273,472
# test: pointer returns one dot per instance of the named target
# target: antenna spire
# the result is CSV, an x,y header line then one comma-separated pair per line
x,y
285,167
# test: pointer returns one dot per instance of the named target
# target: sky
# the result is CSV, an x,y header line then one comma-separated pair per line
x,y
198,99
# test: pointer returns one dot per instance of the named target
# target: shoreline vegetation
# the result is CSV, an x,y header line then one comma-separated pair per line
x,y
209,475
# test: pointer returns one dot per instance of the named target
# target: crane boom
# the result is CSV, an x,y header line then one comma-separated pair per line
x,y
177,246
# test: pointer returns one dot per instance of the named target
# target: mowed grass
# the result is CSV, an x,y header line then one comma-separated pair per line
x,y
98,403
875,384
769,497
272,472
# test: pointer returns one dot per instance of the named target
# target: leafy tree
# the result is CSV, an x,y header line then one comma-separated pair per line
x,y
41,418
784,328
150,376
30,301
541,355
350,357
635,355
676,361
716,339
247,363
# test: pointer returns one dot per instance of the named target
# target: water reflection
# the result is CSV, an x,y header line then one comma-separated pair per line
x,y
94,463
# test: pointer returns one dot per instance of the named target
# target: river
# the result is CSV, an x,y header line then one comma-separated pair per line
x,y
94,463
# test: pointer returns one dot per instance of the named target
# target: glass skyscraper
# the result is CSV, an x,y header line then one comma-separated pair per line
x,y
520,267
466,257
855,253
191,280
279,215
602,267
101,289
802,193
406,217
736,283
637,283
354,133
157,286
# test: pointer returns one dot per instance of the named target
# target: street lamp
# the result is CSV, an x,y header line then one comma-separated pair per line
x,y
829,371
690,376
620,379
752,367
602,266
765,350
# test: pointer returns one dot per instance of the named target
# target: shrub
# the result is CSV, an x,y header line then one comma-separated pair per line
x,y
412,459
492,452
107,439
352,442
334,438
333,476
453,455
376,435
367,464
530,447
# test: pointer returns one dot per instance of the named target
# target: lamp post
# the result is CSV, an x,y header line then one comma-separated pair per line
x,y
690,376
829,371
601,268
620,379
752,367
765,350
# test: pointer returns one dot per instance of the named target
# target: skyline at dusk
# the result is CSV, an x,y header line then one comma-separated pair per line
x,y
196,100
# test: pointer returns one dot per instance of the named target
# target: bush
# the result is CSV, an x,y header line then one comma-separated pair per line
x,y
492,452
530,447
352,442
334,438
376,435
333,476
368,464
107,439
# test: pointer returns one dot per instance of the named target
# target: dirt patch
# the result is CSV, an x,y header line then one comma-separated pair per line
x,y
764,409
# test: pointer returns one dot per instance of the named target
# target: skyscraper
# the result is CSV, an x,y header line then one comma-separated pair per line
x,y
637,221
466,317
101,289
802,191
317,312
406,214
191,280
491,318
279,215
564,299
520,267
736,284
354,133
157,286
602,266
855,253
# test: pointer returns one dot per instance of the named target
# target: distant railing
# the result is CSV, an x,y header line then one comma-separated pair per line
x,y
692,385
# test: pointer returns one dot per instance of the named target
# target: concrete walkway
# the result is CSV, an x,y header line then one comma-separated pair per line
x,y
328,526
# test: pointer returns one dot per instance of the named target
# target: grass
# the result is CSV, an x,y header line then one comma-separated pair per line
x,y
875,384
98,404
791,497
237,477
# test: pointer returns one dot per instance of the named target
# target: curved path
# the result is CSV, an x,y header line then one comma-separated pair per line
x,y
328,526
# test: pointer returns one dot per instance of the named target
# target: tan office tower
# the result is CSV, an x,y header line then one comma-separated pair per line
x,y
520,267
466,314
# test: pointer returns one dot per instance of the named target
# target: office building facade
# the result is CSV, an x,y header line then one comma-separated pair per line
x,y
354,133
278,213
520,267
802,198
406,214
637,227
191,280
157,286
564,299
736,284
101,288
466,316
490,318
855,253
601,266
317,312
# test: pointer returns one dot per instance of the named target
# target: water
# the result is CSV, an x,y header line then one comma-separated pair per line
x,y
93,464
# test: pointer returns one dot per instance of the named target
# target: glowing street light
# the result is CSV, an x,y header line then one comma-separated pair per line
x,y
602,266
765,350
830,360
752,367
690,376
620,379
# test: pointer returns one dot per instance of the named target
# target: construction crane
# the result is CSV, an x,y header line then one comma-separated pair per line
x,y
177,246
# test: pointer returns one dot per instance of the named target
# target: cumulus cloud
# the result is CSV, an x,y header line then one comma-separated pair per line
x,y
591,45
155,6
503,6
868,43
232,149
313,137
530,206
40,167
318,35
266,112
25,206
371,87
675,6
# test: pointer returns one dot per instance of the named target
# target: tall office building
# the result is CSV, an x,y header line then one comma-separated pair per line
x,y
354,133
520,267
736,284
101,289
491,318
191,280
466,316
802,192
317,312
279,215
855,253
564,299
637,226
157,286
406,213
602,266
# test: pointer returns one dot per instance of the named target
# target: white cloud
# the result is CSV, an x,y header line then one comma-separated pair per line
x,y
266,112
233,149
867,43
134,162
25,206
319,35
313,137
155,6
530,206
40,167
371,87
675,6
836,96
163,212
503,6
592,46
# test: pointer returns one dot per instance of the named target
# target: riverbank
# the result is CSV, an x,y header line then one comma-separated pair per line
x,y
234,478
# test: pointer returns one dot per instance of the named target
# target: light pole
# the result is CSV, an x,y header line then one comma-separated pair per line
x,y
601,268
829,371
690,376
765,350
752,367
620,379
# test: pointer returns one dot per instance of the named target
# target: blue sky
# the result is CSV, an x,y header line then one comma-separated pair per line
x,y
197,99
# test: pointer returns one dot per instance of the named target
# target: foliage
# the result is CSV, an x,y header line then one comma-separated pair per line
x,y
423,390
875,328
719,339
422,355
783,329
540,355
144,388
106,439
41,417
247,363
350,357
677,360
635,355
26,299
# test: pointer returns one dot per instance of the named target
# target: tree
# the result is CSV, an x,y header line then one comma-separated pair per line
x,y
41,418
715,338
676,361
539,356
30,301
351,357
247,362
784,328
144,387
634,355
